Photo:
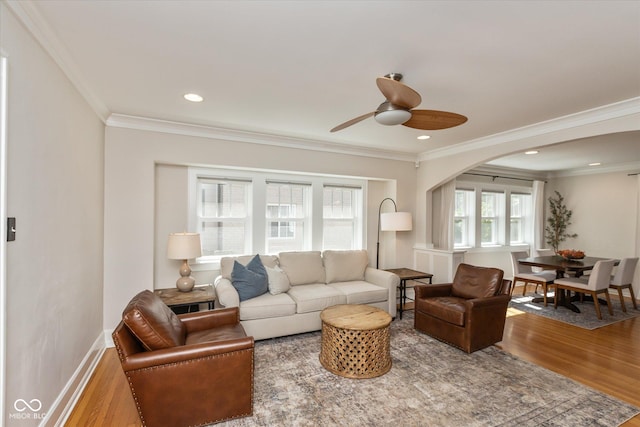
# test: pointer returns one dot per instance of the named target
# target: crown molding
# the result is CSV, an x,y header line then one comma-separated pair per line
x,y
27,12
224,134
630,167
622,109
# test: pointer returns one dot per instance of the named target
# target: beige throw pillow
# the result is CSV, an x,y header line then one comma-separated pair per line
x,y
345,266
278,280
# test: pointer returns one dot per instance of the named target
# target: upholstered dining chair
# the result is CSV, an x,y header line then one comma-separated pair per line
x,y
623,278
524,273
187,369
544,252
596,283
469,313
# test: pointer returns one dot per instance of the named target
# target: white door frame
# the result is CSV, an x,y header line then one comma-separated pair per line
x,y
3,234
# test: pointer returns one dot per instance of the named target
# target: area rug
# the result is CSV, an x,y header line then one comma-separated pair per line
x,y
587,317
429,384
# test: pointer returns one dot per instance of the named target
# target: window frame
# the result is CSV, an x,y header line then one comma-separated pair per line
x,y
504,216
257,217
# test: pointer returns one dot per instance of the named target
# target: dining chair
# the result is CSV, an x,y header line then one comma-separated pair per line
x,y
544,252
623,278
597,283
524,273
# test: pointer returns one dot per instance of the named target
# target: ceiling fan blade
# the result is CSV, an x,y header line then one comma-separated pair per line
x,y
352,121
434,120
398,93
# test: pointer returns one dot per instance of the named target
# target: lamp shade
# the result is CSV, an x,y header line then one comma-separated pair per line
x,y
395,221
184,246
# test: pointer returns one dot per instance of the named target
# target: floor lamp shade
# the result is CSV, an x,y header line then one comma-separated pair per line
x,y
184,246
396,221
391,221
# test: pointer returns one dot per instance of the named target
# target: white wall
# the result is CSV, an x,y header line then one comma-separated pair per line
x,y
605,215
132,197
55,190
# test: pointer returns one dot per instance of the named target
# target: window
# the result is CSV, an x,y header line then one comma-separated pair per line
x,y
287,217
341,219
463,230
223,221
495,204
492,212
521,213
240,212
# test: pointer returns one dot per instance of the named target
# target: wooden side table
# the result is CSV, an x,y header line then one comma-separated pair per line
x,y
407,274
355,341
179,301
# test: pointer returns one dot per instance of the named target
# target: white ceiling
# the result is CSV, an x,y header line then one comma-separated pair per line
x,y
298,69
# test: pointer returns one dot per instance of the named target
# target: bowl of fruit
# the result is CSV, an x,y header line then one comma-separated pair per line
x,y
571,254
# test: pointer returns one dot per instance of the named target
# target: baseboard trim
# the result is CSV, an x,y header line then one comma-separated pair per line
x,y
61,409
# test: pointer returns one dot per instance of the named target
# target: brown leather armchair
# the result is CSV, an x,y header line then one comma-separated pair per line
x,y
468,313
188,369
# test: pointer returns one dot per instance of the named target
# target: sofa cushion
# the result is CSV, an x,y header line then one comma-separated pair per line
x,y
476,282
267,305
343,266
278,280
361,292
250,281
226,263
315,297
302,268
153,323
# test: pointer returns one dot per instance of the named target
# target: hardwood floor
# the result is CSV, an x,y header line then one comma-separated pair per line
x,y
606,359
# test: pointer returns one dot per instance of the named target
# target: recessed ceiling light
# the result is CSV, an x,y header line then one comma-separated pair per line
x,y
421,137
531,152
193,97
595,164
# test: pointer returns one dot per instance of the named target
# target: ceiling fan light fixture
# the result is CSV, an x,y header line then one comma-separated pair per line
x,y
392,117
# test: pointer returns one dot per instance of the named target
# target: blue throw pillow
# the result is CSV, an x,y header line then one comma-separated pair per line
x,y
250,281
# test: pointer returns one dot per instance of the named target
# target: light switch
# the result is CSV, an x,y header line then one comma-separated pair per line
x,y
11,229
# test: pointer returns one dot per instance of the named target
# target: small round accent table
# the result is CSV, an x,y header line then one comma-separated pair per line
x,y
355,341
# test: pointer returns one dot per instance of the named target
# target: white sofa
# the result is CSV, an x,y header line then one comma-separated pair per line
x,y
317,281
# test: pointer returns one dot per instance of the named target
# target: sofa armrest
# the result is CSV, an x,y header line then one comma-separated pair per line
x,y
381,278
482,312
186,353
430,291
203,320
226,294
385,280
495,301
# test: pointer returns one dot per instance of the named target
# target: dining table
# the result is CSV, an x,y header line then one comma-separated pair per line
x,y
562,266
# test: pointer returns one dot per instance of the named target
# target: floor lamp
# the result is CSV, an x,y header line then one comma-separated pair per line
x,y
391,221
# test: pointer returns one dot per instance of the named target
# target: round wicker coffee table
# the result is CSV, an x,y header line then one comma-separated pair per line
x,y
355,341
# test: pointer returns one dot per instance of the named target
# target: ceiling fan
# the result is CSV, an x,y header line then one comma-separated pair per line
x,y
397,109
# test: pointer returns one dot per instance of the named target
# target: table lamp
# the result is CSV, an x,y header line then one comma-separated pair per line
x,y
184,246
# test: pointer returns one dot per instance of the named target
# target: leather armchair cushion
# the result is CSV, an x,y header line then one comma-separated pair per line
x,y
476,282
448,309
153,323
